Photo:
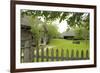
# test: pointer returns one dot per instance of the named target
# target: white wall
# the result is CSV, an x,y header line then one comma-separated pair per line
x,y
5,36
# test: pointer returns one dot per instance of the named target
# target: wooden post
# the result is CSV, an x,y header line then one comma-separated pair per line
x,y
33,55
42,54
82,54
57,52
37,54
47,54
62,54
52,54
27,52
87,54
67,54
72,54
77,55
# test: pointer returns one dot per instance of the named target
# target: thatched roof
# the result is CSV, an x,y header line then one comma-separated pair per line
x,y
25,22
68,33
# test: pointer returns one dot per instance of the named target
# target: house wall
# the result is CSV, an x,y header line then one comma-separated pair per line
x,y
26,45
68,37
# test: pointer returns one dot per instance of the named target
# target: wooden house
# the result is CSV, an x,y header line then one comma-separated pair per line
x,y
68,34
27,40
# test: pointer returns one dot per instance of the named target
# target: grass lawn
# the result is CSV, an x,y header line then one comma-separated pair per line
x,y
66,45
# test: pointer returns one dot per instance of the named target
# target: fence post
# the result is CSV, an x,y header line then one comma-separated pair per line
x,y
37,54
22,55
62,54
47,54
27,52
72,54
67,54
77,54
33,55
57,52
82,54
52,54
42,54
87,54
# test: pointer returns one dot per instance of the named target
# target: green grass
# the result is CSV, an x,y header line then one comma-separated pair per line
x,y
67,44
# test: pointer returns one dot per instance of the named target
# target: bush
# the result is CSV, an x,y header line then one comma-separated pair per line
x,y
76,42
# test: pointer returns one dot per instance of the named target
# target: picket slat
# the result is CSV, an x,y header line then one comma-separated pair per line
x,y
42,54
77,54
52,54
62,54
87,54
57,55
72,54
37,55
67,54
47,54
33,55
82,54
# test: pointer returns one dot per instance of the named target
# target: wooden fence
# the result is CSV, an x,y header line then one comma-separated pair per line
x,y
47,54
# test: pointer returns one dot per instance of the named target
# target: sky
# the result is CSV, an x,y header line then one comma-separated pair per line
x,y
61,26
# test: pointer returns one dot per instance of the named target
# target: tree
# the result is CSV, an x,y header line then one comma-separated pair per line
x,y
52,30
74,19
41,29
82,31
36,29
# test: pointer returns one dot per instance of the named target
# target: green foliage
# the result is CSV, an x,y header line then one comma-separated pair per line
x,y
36,29
53,30
81,25
42,29
81,33
47,15
75,20
50,30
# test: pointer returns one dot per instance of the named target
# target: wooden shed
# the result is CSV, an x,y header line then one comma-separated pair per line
x,y
68,34
26,41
